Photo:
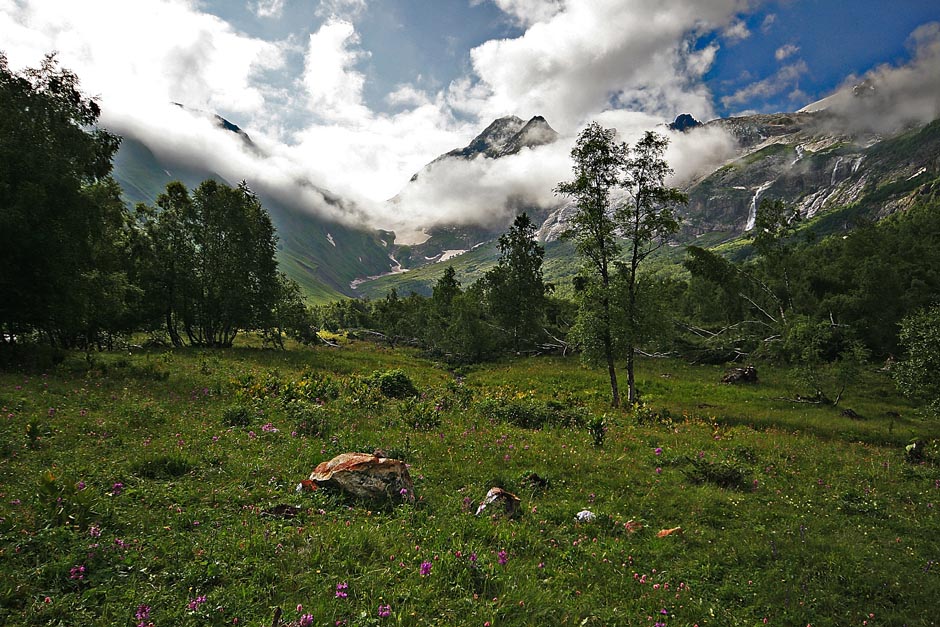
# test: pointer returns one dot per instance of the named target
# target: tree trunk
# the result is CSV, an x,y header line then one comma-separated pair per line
x,y
615,393
631,381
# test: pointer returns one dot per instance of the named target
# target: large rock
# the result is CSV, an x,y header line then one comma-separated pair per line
x,y
366,476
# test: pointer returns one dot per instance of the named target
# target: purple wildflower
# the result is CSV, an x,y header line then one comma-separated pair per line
x,y
117,488
658,450
143,612
341,590
425,569
502,557
306,620
385,611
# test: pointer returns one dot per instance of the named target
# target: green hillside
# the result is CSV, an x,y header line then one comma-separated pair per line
x,y
323,268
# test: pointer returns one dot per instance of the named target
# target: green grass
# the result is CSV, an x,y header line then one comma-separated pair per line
x,y
789,512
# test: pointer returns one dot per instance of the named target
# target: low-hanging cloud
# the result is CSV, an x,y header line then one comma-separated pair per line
x,y
892,97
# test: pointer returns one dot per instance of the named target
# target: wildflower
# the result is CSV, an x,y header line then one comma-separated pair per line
x,y
306,620
77,573
403,492
502,558
117,488
341,590
473,557
425,569
268,428
658,450
80,485
300,608
143,612
385,611
195,603
659,471
94,531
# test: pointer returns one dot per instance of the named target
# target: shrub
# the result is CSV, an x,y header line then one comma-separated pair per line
x,y
721,473
236,416
531,414
168,466
598,430
394,383
309,419
420,415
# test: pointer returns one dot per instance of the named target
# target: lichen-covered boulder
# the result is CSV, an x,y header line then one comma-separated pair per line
x,y
367,476
499,501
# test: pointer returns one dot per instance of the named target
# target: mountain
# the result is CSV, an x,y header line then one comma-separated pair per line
x,y
503,137
806,160
324,256
819,159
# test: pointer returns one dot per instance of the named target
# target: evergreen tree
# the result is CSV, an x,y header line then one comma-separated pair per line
x,y
515,290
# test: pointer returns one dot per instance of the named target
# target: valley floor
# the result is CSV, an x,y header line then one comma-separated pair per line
x,y
143,488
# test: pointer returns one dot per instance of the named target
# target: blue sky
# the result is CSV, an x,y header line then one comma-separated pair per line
x,y
358,95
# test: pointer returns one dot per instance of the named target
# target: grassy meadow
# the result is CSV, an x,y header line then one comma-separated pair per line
x,y
143,487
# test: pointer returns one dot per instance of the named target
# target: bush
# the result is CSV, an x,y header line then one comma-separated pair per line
x,y
420,415
394,384
309,420
916,376
530,413
722,474
163,467
236,416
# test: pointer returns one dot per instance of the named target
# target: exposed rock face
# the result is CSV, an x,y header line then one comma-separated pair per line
x,y
499,501
684,122
366,476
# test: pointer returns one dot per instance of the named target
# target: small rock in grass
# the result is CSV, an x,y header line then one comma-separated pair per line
x,y
500,501
585,516
748,374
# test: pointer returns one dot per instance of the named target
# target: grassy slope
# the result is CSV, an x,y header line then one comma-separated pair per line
x,y
560,265
830,526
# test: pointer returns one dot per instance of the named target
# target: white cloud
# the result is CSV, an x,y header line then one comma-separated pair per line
x,y
785,78
334,86
341,9
786,51
769,20
891,96
589,54
736,31
147,50
528,12
268,8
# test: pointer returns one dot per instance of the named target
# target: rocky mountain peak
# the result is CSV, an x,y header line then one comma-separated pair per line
x,y
536,132
684,122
